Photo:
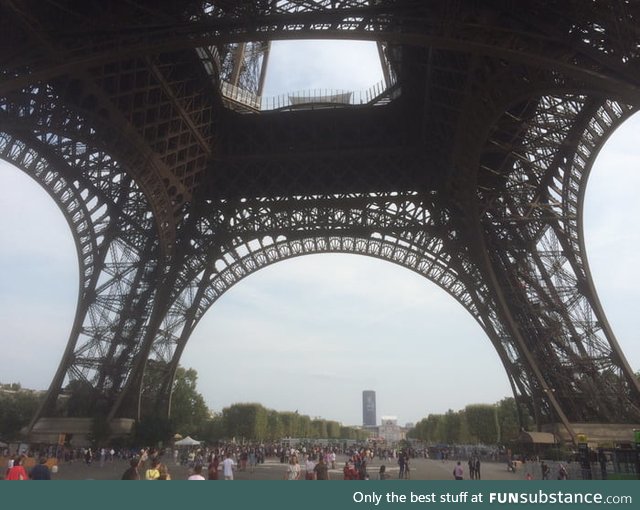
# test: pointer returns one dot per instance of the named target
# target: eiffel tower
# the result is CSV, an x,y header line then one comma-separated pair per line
x,y
144,121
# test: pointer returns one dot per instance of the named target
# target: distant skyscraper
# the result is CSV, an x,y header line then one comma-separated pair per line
x,y
369,408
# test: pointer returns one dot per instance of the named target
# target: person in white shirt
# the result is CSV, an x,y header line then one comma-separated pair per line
x,y
309,465
227,467
293,471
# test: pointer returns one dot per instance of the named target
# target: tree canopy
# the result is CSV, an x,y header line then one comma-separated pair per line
x,y
476,423
17,407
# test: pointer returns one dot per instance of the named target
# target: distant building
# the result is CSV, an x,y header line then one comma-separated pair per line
x,y
369,408
390,431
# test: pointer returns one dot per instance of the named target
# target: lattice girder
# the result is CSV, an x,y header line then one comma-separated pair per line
x,y
472,175
407,230
110,222
532,226
595,42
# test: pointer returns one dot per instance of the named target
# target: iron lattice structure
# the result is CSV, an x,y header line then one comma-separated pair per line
x,y
471,172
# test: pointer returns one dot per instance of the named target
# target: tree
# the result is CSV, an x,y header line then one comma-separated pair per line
x,y
189,412
82,398
290,424
319,428
464,435
214,430
246,421
152,430
451,427
16,410
274,424
347,433
333,429
305,427
433,428
509,419
482,422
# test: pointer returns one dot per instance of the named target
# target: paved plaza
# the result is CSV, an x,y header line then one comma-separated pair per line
x,y
272,469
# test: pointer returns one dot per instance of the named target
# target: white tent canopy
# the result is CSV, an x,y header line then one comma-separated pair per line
x,y
187,441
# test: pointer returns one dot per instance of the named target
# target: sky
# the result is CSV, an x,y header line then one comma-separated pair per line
x,y
310,334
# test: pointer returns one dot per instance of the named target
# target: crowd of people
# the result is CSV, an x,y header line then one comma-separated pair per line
x,y
304,460
16,469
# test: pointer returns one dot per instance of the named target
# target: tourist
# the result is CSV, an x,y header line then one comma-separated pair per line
x,y
309,465
401,462
152,473
458,471
349,471
293,470
163,471
545,470
227,467
562,472
41,471
197,473
212,471
321,469
17,471
253,460
132,472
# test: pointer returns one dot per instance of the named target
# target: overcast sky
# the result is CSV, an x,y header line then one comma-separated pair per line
x,y
310,334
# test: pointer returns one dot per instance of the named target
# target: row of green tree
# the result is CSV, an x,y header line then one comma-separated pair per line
x,y
255,422
243,421
476,423
488,424
189,416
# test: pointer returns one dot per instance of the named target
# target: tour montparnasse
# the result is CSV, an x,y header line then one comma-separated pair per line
x,y
144,122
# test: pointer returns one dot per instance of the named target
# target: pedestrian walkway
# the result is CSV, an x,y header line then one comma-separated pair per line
x,y
273,469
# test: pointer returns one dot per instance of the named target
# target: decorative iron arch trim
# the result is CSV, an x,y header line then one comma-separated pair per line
x,y
171,343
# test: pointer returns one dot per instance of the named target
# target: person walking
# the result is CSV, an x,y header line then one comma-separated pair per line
x,y
132,472
227,467
17,471
458,471
321,469
212,472
309,472
164,472
293,470
40,471
562,472
545,470
153,472
401,463
197,473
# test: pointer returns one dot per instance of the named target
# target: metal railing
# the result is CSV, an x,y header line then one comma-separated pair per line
x,y
307,99
241,96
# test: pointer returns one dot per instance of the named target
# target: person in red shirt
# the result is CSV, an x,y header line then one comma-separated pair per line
x,y
17,472
349,471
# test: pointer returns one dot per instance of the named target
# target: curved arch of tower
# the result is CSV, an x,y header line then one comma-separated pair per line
x,y
145,123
